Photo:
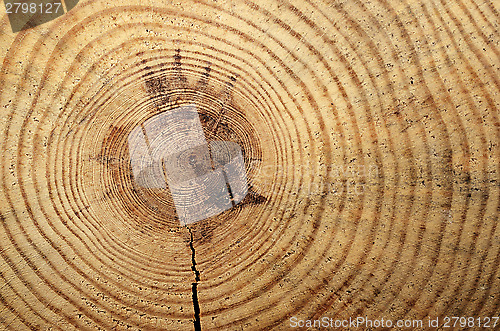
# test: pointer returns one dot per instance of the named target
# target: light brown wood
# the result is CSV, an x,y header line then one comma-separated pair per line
x,y
370,133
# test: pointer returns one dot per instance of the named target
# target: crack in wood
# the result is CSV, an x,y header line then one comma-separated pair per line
x,y
196,304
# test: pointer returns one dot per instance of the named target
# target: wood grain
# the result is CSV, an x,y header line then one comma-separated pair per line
x,y
370,133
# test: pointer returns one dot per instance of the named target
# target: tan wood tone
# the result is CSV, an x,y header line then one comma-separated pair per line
x,y
370,132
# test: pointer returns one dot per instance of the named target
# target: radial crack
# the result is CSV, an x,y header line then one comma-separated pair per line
x,y
196,304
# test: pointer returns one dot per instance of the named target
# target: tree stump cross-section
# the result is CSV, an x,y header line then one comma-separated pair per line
x,y
346,168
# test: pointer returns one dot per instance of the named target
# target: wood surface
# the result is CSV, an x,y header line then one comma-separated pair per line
x,y
370,132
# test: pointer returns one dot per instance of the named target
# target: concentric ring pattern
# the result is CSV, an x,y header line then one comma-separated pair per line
x,y
370,133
